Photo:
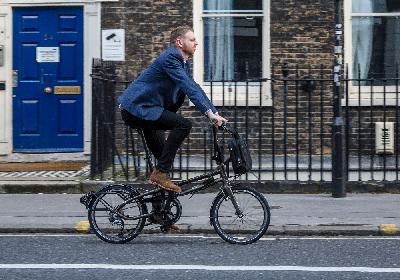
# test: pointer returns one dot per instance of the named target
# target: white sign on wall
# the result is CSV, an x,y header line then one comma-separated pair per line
x,y
47,54
113,44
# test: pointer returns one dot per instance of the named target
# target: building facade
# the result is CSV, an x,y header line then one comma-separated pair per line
x,y
238,40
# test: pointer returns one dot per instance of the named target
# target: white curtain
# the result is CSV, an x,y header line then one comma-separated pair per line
x,y
392,49
362,38
220,47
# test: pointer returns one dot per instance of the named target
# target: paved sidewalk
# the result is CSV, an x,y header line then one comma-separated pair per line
x,y
294,214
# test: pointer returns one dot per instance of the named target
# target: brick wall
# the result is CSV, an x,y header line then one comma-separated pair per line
x,y
147,24
361,127
302,35
302,32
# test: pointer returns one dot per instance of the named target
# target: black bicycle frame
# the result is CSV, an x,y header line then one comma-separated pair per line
x,y
209,182
144,197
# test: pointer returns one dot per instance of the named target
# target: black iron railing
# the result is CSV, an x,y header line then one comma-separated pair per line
x,y
372,128
286,119
103,146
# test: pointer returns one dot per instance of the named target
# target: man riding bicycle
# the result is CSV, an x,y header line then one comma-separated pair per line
x,y
152,100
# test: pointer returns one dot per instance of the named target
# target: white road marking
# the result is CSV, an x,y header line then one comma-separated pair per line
x,y
194,236
203,267
44,235
339,238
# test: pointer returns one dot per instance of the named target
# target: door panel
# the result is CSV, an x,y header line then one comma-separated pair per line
x,y
48,98
30,23
66,118
28,53
30,117
67,69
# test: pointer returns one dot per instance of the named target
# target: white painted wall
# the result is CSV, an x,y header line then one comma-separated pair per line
x,y
5,75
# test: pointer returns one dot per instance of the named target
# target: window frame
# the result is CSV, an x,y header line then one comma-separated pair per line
x,y
364,95
242,89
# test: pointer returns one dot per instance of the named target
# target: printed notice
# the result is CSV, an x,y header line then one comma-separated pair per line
x,y
48,54
113,44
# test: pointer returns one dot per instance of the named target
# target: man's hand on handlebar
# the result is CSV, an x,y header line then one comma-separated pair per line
x,y
216,119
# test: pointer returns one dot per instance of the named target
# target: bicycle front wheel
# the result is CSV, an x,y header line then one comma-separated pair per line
x,y
244,227
112,223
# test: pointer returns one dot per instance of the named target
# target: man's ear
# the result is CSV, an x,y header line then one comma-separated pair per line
x,y
179,42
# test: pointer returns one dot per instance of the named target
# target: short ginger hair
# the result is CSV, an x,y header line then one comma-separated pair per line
x,y
179,32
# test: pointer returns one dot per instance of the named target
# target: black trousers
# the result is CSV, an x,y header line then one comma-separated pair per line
x,y
163,149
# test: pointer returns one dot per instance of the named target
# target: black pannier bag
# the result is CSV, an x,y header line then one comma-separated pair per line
x,y
239,154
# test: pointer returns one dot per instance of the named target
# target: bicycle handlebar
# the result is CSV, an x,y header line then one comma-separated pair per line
x,y
224,127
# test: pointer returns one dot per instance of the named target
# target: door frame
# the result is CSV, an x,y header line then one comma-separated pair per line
x,y
91,48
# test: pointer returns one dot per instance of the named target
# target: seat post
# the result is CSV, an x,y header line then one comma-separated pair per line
x,y
146,150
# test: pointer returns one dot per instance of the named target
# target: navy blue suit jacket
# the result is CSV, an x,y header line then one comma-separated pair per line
x,y
163,86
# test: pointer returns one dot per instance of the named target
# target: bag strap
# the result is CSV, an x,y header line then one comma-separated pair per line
x,y
235,134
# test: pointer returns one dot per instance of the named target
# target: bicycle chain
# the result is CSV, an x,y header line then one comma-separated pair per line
x,y
166,217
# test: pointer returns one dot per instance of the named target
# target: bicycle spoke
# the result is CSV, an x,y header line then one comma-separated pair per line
x,y
247,227
110,224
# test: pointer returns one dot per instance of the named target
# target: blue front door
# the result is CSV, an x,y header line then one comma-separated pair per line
x,y
48,79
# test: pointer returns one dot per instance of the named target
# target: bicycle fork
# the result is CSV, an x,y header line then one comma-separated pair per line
x,y
232,197
227,189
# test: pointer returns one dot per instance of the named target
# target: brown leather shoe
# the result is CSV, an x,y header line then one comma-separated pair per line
x,y
162,180
157,220
173,228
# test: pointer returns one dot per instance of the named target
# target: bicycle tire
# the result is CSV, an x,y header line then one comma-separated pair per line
x,y
107,224
253,205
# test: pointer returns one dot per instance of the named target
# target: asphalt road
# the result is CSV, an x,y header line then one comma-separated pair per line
x,y
198,257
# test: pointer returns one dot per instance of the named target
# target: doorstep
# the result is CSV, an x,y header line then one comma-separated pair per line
x,y
43,177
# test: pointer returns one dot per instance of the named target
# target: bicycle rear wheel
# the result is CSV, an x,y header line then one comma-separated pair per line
x,y
246,227
106,218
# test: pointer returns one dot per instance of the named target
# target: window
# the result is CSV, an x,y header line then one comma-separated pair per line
x,y
374,42
233,36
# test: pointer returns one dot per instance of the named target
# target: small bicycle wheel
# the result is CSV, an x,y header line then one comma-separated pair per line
x,y
245,227
112,223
